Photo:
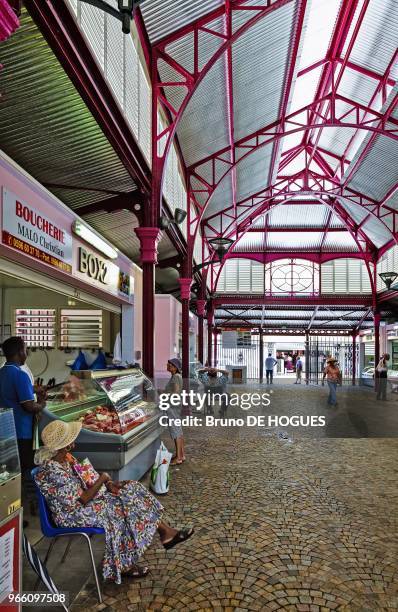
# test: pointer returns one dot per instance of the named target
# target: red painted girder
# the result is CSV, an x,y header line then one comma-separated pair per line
x,y
296,228
342,28
381,87
289,79
353,66
265,136
255,139
71,49
366,149
314,256
327,229
189,82
321,300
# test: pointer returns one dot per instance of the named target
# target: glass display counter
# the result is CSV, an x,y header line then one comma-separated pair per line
x,y
119,415
10,472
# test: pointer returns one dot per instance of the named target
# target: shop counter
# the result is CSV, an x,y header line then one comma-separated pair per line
x,y
119,415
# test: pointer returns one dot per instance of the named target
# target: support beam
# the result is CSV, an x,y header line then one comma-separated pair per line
x,y
377,319
72,50
313,318
354,356
149,238
132,201
261,354
185,290
200,311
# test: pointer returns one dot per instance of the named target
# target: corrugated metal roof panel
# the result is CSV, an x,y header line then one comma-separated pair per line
x,y
162,18
258,85
378,171
339,241
204,125
47,128
295,215
377,38
305,241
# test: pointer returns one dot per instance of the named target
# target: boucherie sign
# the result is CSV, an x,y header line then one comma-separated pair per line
x,y
27,230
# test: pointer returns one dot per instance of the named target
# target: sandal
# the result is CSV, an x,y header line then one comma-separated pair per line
x,y
180,536
176,462
136,572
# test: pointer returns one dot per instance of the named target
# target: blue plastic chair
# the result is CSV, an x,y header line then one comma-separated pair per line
x,y
51,531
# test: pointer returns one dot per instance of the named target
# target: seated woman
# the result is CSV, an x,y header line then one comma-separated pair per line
x,y
129,514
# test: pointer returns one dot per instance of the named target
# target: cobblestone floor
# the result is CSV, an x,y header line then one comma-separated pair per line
x,y
307,525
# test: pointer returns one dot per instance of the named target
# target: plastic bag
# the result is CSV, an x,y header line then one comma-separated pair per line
x,y
160,471
80,362
99,363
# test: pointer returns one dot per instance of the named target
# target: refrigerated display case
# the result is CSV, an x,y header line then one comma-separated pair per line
x,y
120,419
10,511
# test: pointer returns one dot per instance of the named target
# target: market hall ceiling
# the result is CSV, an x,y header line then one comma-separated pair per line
x,y
334,57
249,130
47,128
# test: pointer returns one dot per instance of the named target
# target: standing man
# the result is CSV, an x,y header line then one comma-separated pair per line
x,y
16,392
299,369
270,363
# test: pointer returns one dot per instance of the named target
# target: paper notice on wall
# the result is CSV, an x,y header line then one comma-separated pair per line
x,y
6,563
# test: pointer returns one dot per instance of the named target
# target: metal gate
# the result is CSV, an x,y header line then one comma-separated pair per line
x,y
320,348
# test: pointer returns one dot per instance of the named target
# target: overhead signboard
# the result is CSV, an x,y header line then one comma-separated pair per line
x,y
29,231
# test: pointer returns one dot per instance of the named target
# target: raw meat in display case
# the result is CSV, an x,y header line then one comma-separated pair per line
x,y
119,415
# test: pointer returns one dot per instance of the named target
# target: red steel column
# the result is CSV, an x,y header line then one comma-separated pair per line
x,y
149,238
185,289
210,319
200,309
261,354
354,356
215,336
377,345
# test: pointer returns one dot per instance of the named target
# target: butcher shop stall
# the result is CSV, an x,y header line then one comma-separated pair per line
x,y
119,415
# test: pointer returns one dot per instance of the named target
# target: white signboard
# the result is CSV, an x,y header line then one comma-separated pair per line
x,y
101,272
6,563
229,339
29,231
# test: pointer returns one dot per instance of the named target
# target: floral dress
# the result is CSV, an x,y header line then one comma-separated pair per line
x,y
130,519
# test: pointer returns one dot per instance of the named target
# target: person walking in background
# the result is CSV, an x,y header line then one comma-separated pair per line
x,y
299,370
175,385
381,373
270,363
333,377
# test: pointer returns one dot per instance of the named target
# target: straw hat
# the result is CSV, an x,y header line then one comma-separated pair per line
x,y
58,434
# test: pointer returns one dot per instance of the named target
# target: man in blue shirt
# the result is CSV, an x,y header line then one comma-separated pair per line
x,y
270,363
16,392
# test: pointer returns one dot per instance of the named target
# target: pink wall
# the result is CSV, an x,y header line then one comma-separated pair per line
x,y
16,180
167,317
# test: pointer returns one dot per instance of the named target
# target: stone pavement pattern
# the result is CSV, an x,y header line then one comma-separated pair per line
x,y
309,525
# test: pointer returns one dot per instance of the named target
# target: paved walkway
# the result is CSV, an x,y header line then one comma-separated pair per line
x,y
305,525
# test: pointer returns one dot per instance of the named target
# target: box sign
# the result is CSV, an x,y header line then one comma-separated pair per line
x,y
101,272
27,230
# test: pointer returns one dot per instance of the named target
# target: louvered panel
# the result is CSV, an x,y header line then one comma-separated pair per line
x,y
340,276
257,281
131,93
365,280
244,276
231,276
144,136
114,61
92,21
354,276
